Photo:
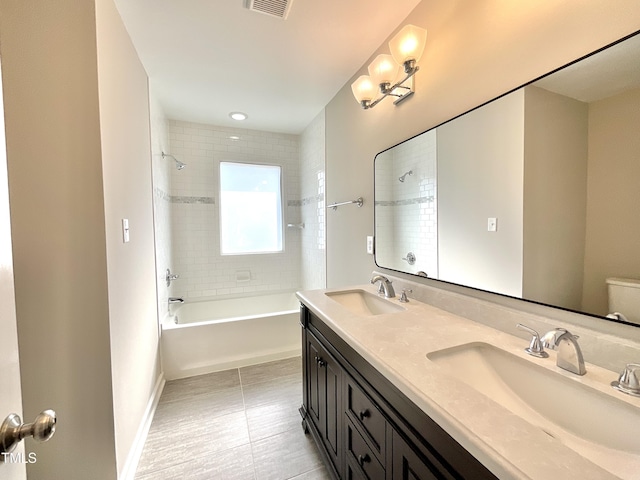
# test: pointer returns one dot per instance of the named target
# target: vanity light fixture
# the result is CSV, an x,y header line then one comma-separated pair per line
x,y
406,49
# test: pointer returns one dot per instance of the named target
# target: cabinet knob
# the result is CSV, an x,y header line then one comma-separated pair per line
x,y
321,363
364,414
362,459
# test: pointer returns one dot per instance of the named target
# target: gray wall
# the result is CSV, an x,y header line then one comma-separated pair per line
x,y
78,149
613,196
480,175
555,196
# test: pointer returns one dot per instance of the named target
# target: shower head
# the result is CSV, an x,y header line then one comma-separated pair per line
x,y
410,172
179,164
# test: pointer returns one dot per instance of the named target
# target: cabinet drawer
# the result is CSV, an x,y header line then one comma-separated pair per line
x,y
364,413
359,453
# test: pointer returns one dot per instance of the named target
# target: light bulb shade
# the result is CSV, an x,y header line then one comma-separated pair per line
x,y
383,69
408,44
364,89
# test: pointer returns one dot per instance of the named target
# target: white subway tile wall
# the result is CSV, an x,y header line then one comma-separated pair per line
x,y
161,171
312,155
195,211
408,210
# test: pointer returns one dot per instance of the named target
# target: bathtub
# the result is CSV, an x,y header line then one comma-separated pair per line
x,y
230,333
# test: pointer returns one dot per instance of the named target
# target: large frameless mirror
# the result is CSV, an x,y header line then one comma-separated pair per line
x,y
534,195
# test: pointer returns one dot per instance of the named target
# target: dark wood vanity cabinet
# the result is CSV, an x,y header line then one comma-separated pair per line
x,y
324,396
365,427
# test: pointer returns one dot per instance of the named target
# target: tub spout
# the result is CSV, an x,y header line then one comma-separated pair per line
x,y
176,300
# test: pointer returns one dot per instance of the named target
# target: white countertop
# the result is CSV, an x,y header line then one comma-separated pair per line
x,y
396,344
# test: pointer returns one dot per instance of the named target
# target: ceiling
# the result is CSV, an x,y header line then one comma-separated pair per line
x,y
608,73
207,58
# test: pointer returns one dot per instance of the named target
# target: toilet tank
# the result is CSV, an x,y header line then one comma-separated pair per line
x,y
624,297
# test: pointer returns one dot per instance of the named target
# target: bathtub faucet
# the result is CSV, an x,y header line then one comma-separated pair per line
x,y
176,300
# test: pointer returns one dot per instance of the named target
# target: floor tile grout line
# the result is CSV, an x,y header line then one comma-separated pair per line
x,y
244,406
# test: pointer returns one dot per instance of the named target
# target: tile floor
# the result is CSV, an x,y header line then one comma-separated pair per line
x,y
237,424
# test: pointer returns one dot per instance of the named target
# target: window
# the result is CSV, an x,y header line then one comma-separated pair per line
x,y
250,208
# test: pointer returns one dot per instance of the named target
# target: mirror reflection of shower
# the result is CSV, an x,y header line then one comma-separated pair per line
x,y
401,178
179,164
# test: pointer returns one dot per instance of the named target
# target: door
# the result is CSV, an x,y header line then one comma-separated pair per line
x,y
12,467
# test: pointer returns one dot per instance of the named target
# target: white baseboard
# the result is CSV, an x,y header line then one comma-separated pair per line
x,y
128,472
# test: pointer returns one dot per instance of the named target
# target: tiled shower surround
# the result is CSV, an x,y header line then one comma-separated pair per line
x,y
312,156
194,205
407,210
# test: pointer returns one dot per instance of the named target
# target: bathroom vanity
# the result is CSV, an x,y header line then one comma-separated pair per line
x,y
404,390
366,427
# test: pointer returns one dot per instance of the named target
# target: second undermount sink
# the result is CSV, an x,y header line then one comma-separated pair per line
x,y
362,302
583,418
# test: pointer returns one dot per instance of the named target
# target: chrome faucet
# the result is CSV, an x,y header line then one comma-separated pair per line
x,y
173,300
569,354
385,286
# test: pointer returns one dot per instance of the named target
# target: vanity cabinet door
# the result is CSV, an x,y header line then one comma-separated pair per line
x,y
324,388
315,381
408,465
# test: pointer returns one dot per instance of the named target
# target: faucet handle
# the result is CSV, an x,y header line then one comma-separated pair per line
x,y
551,339
403,297
629,380
536,347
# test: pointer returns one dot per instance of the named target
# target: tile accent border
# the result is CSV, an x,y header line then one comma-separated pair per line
x,y
306,201
184,199
410,201
162,195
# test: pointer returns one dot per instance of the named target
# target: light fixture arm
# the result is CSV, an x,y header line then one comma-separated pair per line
x,y
410,68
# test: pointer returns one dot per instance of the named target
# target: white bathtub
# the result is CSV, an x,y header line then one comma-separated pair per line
x,y
230,333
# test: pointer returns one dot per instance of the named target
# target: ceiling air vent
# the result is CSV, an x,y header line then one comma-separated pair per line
x,y
275,8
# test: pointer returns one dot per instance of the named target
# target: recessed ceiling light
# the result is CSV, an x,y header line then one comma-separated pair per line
x,y
238,116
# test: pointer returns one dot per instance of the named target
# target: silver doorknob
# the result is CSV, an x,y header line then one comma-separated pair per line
x,y
12,430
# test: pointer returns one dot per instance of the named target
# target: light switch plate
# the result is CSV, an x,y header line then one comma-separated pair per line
x,y
125,230
492,224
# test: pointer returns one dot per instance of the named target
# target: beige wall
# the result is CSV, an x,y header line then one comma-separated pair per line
x,y
480,174
555,196
613,196
50,81
126,167
475,51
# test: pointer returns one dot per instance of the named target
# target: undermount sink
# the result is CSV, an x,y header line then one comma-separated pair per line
x,y
581,417
362,302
